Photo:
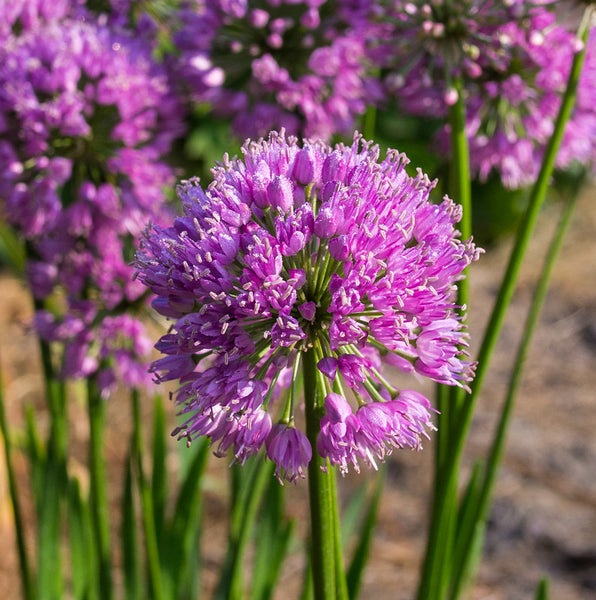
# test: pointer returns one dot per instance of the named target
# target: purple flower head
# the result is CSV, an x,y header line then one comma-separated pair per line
x,y
253,285
86,116
426,45
513,59
296,64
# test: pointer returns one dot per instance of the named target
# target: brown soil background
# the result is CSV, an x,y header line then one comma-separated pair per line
x,y
543,521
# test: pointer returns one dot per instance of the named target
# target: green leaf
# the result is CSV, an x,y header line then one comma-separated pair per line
x,y
467,544
12,249
98,488
159,478
81,547
272,542
133,584
352,514
37,458
155,574
184,531
49,566
542,592
247,493
362,550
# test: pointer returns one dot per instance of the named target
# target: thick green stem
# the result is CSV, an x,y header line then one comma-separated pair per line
x,y
460,182
435,568
460,190
474,522
98,489
369,123
322,509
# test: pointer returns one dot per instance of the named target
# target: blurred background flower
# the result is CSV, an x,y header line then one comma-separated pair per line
x,y
86,120
300,65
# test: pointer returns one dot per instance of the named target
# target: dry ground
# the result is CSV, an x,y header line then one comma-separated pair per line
x,y
543,522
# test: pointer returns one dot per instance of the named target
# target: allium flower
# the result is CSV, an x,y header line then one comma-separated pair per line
x,y
308,249
85,117
298,64
579,140
430,43
513,59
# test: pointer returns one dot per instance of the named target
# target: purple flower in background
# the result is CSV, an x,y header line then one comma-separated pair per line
x,y
307,248
425,45
513,59
300,65
86,117
511,114
579,139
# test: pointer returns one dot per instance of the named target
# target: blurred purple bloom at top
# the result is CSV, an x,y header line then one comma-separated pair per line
x,y
513,59
308,248
301,65
86,118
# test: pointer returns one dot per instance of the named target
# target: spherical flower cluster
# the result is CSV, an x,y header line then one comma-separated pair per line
x,y
295,64
86,116
297,251
513,59
428,44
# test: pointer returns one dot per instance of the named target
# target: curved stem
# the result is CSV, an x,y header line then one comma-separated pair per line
x,y
524,234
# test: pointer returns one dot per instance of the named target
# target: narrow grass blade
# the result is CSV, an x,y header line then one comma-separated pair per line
x,y
24,566
352,514
307,592
12,250
147,515
37,455
184,531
